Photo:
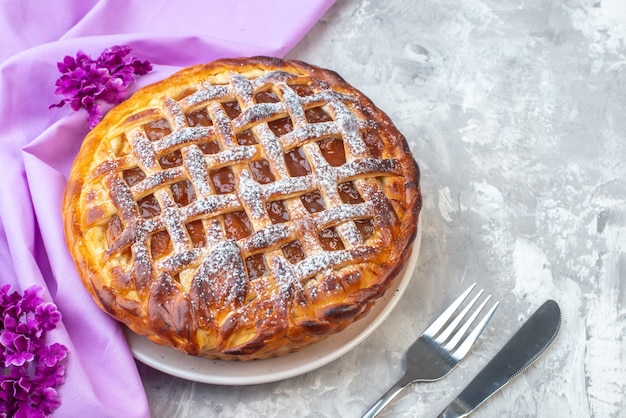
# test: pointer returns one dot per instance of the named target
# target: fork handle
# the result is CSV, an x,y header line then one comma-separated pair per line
x,y
388,397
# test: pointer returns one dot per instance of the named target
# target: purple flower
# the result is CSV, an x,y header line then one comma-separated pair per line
x,y
17,349
31,369
50,355
9,302
47,315
47,400
85,82
18,388
31,299
49,376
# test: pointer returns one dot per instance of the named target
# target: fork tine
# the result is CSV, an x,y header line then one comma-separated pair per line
x,y
458,335
438,324
466,345
446,333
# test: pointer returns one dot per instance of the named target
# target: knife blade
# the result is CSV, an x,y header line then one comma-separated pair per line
x,y
519,352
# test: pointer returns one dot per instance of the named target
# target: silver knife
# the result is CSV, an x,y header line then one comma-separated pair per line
x,y
519,352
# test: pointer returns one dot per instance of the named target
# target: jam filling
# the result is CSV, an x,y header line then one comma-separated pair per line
x,y
256,266
366,227
196,233
149,207
313,202
157,129
293,252
333,151
317,115
210,147
232,109
261,171
183,192
223,180
160,244
266,97
277,212
302,90
246,138
174,159
199,118
373,143
133,176
348,193
330,241
297,165
281,126
237,225
114,229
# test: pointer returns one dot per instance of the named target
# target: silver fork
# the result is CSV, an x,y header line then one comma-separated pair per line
x,y
441,347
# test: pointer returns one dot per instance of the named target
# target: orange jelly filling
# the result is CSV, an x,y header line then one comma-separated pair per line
x,y
261,171
256,266
293,251
313,202
266,97
348,193
366,227
330,240
316,115
133,176
237,225
232,109
174,159
114,228
210,147
157,129
183,192
246,138
333,152
297,165
223,180
160,244
277,212
149,207
196,233
199,118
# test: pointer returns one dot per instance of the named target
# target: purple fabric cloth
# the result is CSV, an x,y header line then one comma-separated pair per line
x,y
39,145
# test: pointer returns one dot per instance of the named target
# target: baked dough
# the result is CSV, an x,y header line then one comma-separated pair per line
x,y
242,209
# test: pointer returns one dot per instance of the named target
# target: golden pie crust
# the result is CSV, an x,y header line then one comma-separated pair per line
x,y
242,209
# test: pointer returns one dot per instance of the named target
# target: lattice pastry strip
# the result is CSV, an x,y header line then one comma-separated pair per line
x,y
242,209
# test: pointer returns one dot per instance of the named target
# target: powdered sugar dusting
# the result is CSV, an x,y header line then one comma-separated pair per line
x,y
156,180
224,272
195,163
306,133
233,155
267,237
259,112
207,94
251,195
174,114
142,148
183,136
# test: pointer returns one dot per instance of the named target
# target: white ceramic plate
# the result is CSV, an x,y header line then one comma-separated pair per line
x,y
220,372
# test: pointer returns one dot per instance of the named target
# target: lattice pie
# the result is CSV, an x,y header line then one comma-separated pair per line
x,y
242,209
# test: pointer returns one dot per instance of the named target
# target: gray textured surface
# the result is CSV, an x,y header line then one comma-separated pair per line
x,y
515,113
